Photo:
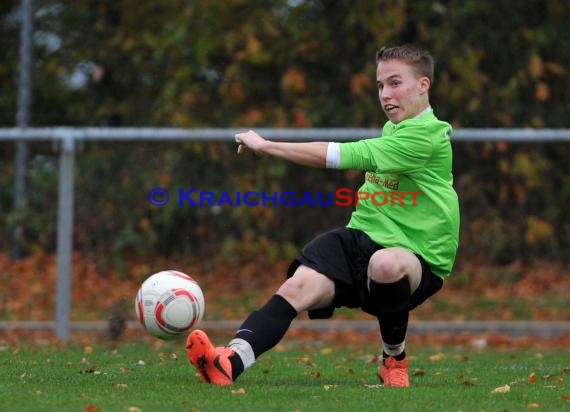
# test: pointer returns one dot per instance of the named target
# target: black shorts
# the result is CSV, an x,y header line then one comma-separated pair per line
x,y
342,255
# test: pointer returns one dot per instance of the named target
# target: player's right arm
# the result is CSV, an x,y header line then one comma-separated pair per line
x,y
312,154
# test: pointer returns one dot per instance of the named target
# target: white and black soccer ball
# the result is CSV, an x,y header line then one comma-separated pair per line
x,y
169,304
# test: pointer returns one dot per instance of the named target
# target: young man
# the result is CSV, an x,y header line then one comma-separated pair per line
x,y
389,258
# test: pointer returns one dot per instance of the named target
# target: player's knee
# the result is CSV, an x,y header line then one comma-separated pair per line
x,y
385,266
291,289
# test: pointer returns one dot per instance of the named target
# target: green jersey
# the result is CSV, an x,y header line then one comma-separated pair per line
x,y
407,198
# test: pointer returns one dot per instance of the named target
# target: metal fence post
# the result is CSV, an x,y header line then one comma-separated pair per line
x,y
64,235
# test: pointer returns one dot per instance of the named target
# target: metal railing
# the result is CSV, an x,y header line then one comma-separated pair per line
x,y
67,138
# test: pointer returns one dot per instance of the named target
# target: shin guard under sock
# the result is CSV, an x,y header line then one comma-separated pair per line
x,y
265,327
393,328
390,297
392,301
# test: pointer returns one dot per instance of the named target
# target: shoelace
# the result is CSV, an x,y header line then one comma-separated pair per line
x,y
397,376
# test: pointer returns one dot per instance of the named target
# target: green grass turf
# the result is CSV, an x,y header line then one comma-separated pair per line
x,y
297,377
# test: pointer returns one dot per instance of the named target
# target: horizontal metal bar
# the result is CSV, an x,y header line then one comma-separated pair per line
x,y
543,329
295,134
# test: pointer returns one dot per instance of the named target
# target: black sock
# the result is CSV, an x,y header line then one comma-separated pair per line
x,y
265,327
392,303
237,366
399,357
393,328
390,297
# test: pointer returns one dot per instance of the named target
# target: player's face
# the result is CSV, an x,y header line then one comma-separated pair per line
x,y
402,92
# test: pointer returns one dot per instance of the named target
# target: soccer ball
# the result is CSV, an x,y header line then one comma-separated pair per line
x,y
169,304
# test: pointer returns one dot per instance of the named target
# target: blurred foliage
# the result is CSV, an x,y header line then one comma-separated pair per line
x,y
279,63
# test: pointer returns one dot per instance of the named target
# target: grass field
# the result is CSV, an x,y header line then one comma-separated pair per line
x,y
302,376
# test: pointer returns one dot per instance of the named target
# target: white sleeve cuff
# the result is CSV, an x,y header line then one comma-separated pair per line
x,y
333,155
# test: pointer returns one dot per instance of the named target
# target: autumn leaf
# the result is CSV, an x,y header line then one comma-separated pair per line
x,y
374,359
532,378
535,65
360,83
240,391
305,360
555,68
437,357
542,92
300,118
502,389
294,80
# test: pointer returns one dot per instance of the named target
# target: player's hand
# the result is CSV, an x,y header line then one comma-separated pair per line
x,y
250,140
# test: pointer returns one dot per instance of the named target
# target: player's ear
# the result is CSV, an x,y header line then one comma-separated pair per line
x,y
424,84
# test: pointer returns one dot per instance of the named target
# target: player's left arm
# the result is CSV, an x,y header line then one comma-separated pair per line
x,y
312,154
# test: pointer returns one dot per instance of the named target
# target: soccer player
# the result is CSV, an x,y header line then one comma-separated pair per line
x,y
388,259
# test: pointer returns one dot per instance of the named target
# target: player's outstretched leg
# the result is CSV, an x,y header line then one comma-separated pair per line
x,y
212,363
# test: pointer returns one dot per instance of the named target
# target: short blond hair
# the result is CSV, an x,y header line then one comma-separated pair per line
x,y
421,60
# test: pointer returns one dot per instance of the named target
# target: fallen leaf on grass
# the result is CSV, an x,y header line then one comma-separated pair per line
x,y
134,409
374,359
91,408
120,385
305,360
565,396
326,351
533,405
438,357
329,387
532,378
419,372
376,386
240,391
501,389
